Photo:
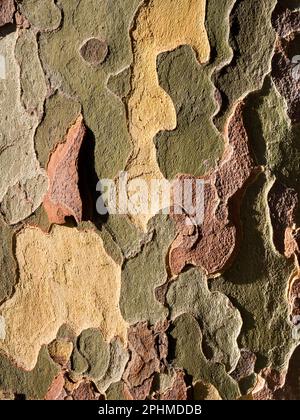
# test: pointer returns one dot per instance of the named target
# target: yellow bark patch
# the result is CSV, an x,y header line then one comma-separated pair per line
x,y
65,277
161,25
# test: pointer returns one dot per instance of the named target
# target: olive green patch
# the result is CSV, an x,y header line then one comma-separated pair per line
x,y
257,285
104,113
188,355
8,266
252,39
144,272
220,322
33,384
195,145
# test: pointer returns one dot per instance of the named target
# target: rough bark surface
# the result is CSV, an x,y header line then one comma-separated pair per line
x,y
150,301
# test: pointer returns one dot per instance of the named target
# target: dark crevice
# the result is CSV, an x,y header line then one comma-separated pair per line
x,y
7,29
88,180
233,34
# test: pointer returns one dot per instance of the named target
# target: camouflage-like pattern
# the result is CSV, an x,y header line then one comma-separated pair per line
x,y
140,307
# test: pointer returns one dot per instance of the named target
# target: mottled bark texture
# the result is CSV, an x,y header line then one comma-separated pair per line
x,y
149,305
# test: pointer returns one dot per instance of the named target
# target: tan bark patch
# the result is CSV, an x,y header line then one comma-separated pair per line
x,y
158,30
65,277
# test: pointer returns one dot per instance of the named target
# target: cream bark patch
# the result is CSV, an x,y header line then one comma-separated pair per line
x,y
65,277
160,26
